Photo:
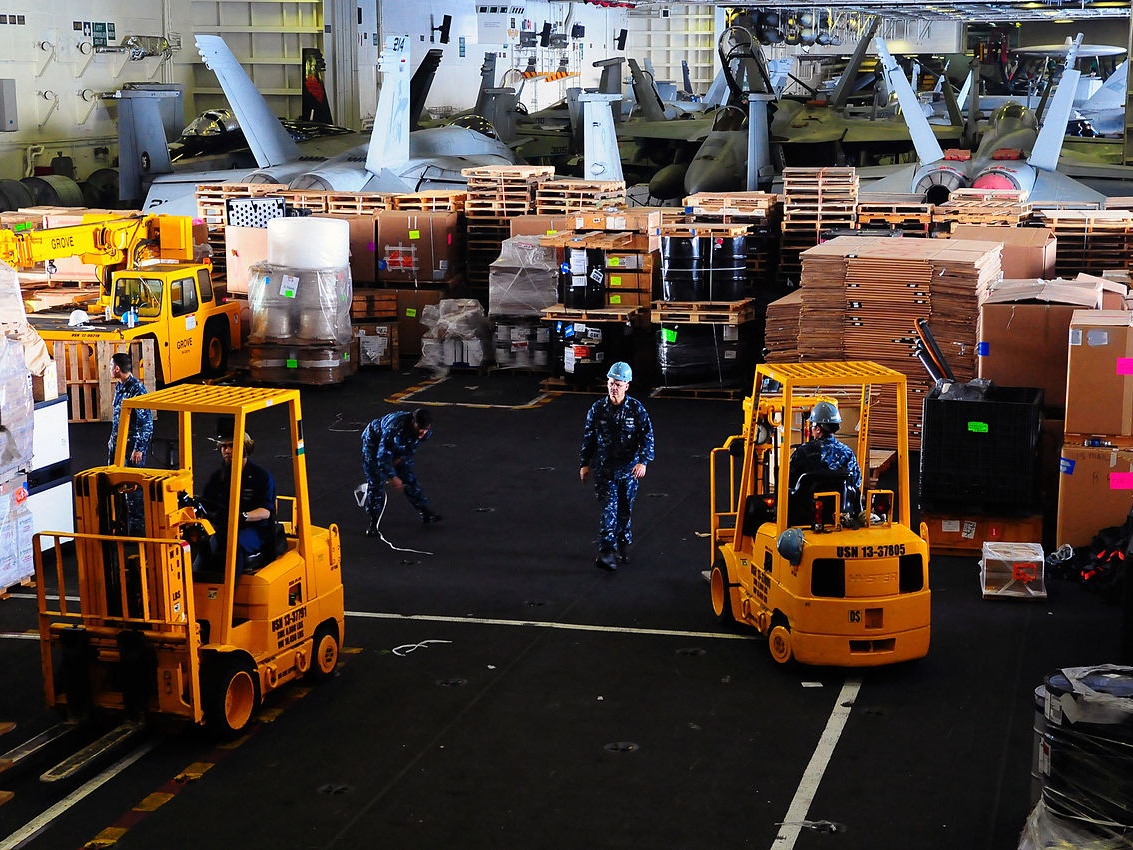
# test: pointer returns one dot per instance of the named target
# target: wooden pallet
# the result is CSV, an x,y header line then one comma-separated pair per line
x,y
370,304
357,203
5,593
479,206
703,312
557,312
83,369
494,173
712,393
735,203
704,229
440,201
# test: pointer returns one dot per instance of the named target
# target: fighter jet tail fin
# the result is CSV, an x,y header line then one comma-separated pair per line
x,y
927,147
421,83
389,143
143,138
648,100
599,140
487,81
845,85
266,137
1048,144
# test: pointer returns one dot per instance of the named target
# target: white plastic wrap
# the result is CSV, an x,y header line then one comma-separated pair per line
x,y
525,278
11,298
299,306
457,334
17,410
309,243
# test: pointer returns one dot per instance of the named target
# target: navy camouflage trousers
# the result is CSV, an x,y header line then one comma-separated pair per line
x,y
376,495
617,496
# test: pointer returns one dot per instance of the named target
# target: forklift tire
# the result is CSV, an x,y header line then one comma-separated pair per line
x,y
214,354
779,644
231,695
324,657
722,592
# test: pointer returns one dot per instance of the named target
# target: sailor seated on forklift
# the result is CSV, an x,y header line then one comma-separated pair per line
x,y
824,456
256,544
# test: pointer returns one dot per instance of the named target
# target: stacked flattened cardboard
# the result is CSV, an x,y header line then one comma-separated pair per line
x,y
1090,241
781,328
861,297
814,200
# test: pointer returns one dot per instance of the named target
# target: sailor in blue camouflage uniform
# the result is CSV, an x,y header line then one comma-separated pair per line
x,y
617,444
388,447
825,453
139,431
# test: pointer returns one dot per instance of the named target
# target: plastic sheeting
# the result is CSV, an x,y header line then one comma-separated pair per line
x,y
17,410
299,306
457,334
525,278
1084,757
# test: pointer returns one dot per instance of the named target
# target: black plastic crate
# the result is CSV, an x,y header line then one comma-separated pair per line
x,y
980,448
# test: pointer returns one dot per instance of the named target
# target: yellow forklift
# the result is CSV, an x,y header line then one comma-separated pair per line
x,y
828,583
164,624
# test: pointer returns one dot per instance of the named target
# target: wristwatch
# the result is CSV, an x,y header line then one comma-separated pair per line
x,y
244,516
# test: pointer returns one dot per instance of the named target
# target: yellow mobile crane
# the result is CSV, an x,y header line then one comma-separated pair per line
x,y
164,625
151,288
825,584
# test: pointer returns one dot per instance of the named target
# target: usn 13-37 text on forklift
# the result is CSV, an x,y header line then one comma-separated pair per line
x,y
164,625
826,585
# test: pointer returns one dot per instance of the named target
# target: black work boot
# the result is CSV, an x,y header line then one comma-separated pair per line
x,y
623,552
606,559
372,529
428,516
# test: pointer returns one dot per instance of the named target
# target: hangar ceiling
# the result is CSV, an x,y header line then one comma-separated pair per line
x,y
1006,11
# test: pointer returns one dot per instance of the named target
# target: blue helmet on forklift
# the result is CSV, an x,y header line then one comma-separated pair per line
x,y
826,414
790,545
620,371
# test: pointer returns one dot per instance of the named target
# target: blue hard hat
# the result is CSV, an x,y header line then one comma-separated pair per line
x,y
825,413
620,371
790,545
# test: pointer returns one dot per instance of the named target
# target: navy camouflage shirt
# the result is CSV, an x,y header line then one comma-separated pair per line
x,y
141,420
616,437
391,437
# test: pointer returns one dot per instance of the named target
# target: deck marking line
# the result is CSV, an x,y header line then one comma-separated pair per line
x,y
808,785
578,627
30,829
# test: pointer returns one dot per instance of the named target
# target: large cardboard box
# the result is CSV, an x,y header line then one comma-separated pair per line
x,y
1099,373
363,261
1095,491
539,225
1027,251
410,303
416,247
243,247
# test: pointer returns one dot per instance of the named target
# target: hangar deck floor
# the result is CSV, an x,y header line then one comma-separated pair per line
x,y
501,692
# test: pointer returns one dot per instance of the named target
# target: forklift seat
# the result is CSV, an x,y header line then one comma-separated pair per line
x,y
800,498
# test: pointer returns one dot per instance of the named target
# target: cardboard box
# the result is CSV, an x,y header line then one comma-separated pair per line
x,y
363,260
1027,251
243,247
410,303
539,225
1095,491
1099,373
377,344
964,535
620,280
1012,569
641,220
641,262
416,247
617,298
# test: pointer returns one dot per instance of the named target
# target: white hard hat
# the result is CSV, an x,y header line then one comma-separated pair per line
x,y
77,318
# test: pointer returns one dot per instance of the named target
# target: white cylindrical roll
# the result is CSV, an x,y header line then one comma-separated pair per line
x,y
308,242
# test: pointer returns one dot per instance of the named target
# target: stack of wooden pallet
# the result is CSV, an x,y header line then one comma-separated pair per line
x,y
496,193
981,206
1091,241
566,196
889,211
814,200
861,297
444,200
